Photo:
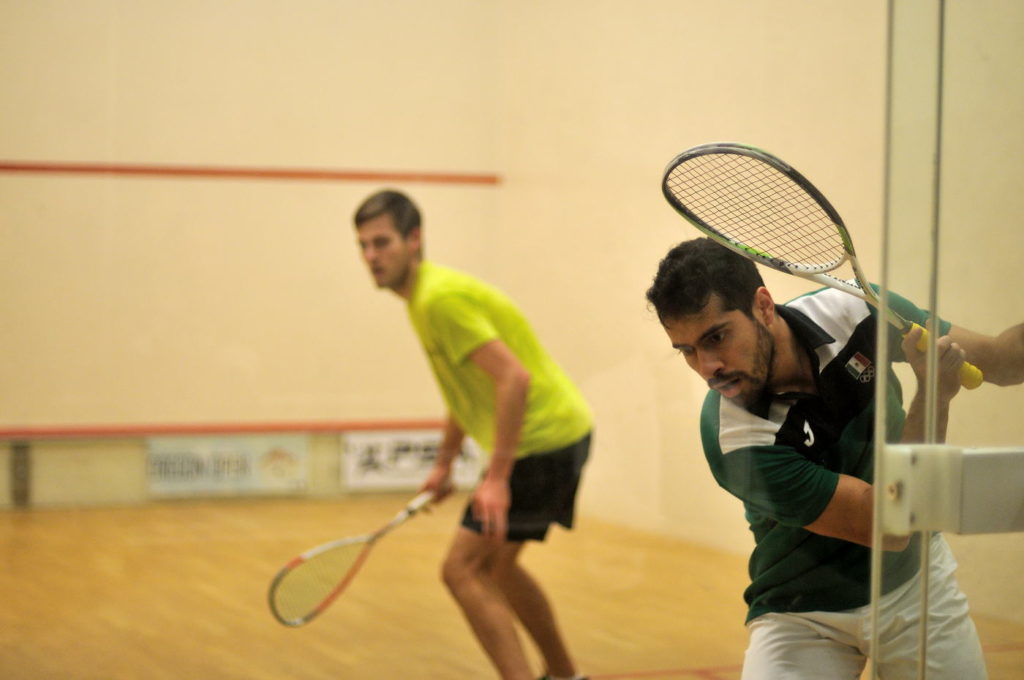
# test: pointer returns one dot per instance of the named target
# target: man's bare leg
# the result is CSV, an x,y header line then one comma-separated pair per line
x,y
467,574
535,612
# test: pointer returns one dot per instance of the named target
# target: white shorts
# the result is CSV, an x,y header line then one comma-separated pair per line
x,y
815,645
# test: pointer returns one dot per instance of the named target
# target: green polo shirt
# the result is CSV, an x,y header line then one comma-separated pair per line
x,y
783,456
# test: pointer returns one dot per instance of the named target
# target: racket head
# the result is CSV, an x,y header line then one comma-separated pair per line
x,y
756,204
312,581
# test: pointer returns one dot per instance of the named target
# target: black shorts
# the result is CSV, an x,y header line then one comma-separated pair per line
x,y
543,488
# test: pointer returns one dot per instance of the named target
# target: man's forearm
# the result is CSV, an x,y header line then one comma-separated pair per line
x,y
914,425
510,410
451,443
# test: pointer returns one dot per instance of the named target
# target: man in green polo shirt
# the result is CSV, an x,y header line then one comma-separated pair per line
x,y
502,389
787,427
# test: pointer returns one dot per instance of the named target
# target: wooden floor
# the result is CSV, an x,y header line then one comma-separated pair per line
x,y
177,590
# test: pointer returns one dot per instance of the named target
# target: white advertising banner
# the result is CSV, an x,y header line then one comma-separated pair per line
x,y
400,459
227,465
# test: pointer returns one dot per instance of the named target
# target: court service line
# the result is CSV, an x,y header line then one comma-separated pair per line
x,y
1004,647
711,673
239,172
715,673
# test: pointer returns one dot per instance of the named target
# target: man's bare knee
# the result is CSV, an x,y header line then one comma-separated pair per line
x,y
455,572
460,568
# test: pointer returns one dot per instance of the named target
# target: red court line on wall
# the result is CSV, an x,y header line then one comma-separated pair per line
x,y
145,430
228,172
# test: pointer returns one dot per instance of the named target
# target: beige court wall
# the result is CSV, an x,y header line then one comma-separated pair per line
x,y
618,96
140,300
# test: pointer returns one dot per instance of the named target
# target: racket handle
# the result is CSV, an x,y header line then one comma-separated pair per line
x,y
422,499
970,375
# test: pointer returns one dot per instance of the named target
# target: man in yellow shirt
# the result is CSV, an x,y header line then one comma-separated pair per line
x,y
502,389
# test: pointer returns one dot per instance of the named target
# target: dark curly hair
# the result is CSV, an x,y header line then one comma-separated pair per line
x,y
695,270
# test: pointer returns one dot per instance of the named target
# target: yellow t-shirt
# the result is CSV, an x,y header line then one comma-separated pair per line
x,y
454,314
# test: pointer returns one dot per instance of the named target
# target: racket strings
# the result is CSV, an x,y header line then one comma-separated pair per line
x,y
757,206
309,586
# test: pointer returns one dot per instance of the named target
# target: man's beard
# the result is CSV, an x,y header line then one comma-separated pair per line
x,y
765,360
760,375
398,280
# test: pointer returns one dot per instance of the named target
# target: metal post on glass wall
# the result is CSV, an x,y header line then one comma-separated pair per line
x,y
884,483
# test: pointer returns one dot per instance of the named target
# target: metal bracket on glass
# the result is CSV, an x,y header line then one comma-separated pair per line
x,y
935,487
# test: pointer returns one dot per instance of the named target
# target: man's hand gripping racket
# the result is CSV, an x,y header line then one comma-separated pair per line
x,y
757,205
309,583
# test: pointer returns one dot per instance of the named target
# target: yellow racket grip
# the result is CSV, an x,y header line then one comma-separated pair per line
x,y
970,375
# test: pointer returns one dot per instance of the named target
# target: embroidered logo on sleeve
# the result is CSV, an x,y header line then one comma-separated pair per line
x,y
861,368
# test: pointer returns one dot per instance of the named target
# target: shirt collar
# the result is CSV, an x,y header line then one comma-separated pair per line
x,y
810,334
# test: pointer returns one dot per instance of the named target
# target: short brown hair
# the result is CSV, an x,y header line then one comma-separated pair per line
x,y
401,208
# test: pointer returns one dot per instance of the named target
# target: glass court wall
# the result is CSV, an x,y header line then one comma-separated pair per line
x,y
954,208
